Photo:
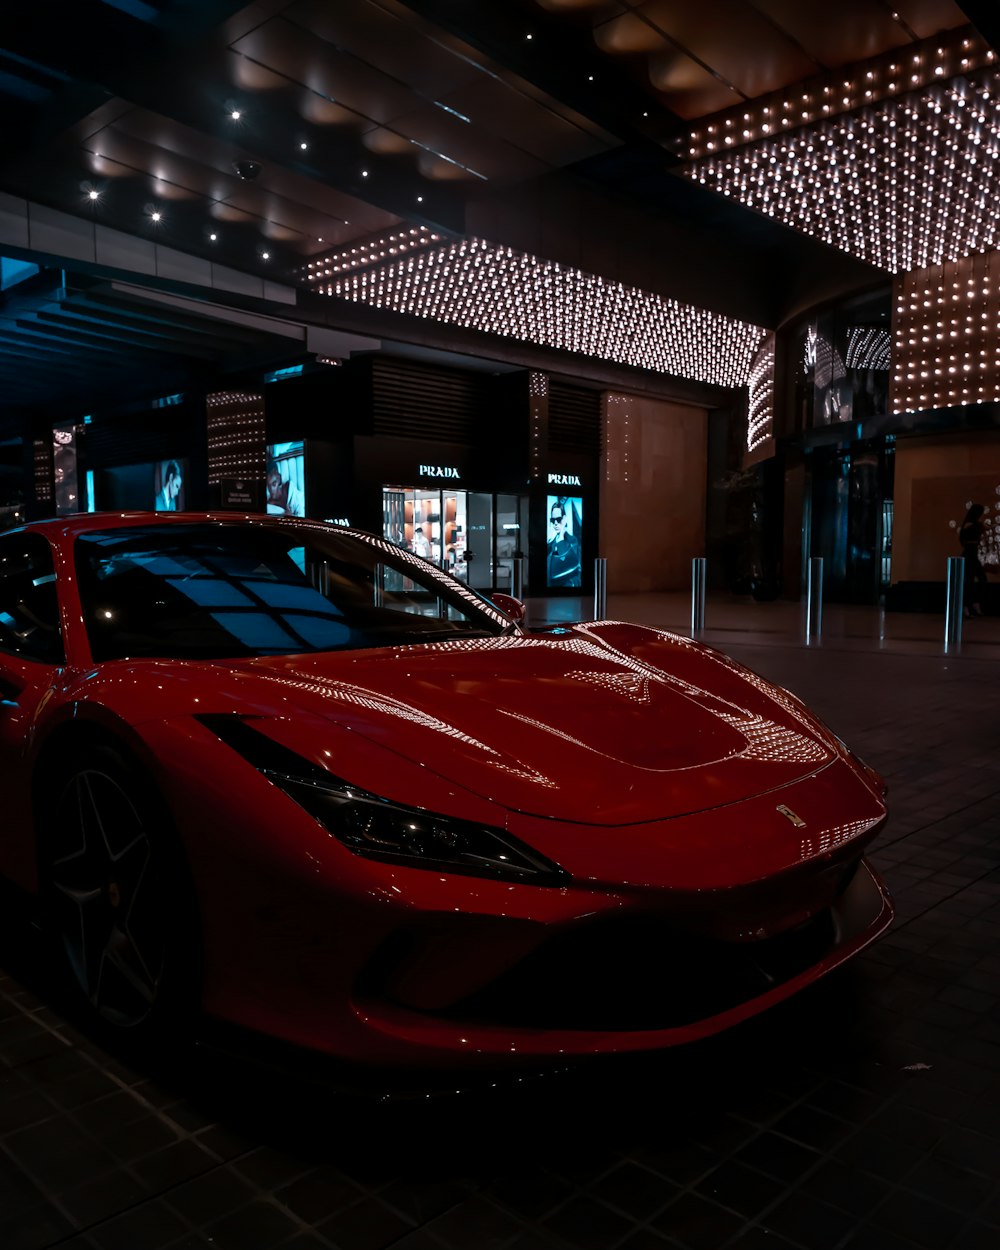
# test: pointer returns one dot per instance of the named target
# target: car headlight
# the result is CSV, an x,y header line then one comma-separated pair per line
x,y
380,829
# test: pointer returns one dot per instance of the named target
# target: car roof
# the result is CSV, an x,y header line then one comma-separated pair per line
x,y
85,522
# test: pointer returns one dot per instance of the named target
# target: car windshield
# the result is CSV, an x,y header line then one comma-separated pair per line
x,y
219,590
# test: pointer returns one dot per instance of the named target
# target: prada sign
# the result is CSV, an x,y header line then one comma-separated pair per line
x,y
438,470
564,479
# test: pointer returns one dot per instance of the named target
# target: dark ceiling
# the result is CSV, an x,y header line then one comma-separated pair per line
x,y
358,117
69,336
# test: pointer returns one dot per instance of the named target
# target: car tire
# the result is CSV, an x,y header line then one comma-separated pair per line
x,y
116,898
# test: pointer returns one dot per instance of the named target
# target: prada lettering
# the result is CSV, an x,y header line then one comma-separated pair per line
x,y
437,470
564,479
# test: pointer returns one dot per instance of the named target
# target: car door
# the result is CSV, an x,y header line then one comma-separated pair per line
x,y
31,655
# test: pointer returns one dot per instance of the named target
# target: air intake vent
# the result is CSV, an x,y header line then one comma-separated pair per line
x,y
574,418
413,400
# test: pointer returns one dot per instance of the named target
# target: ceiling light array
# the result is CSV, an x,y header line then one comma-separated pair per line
x,y
869,347
826,96
946,336
760,396
480,286
904,185
236,438
387,246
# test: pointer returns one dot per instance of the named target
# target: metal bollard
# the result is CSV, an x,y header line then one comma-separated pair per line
x,y
699,575
517,578
954,602
814,600
600,588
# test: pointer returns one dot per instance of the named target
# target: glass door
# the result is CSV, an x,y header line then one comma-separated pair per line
x,y
510,538
455,533
479,541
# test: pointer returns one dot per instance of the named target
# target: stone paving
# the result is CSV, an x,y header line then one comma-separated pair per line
x,y
863,1115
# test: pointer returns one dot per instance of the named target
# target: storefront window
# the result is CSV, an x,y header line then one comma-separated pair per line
x,y
471,534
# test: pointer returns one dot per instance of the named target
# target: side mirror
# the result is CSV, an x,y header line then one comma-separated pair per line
x,y
510,606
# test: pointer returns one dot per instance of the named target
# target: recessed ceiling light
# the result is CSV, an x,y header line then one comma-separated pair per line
x,y
235,114
93,194
303,145
265,255
590,78
529,36
154,215
364,173
212,237
420,199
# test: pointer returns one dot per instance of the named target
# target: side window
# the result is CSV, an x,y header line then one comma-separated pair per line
x,y
29,608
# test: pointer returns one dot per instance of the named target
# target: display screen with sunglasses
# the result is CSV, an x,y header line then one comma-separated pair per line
x,y
564,566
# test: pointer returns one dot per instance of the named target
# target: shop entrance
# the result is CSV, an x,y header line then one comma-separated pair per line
x,y
474,535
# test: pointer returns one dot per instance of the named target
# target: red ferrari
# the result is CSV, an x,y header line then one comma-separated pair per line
x,y
295,778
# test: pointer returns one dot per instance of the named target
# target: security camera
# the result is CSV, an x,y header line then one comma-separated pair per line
x,y
247,170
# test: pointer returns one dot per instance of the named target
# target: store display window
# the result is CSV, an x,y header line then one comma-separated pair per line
x,y
473,535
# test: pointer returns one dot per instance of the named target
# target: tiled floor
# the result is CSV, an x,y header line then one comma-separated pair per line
x,y
863,1114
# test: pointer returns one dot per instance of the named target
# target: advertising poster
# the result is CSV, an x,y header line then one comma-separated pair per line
x,y
565,528
168,485
64,469
285,479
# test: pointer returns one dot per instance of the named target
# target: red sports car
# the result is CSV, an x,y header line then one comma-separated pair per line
x,y
298,779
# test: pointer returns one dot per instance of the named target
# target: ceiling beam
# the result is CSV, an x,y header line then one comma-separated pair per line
x,y
82,329
140,322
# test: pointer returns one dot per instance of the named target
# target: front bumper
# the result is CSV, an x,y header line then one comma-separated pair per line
x,y
615,984
385,964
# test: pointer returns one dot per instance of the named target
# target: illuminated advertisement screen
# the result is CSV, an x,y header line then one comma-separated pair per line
x,y
168,485
64,469
565,527
285,479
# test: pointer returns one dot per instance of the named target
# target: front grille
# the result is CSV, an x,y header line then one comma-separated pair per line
x,y
640,974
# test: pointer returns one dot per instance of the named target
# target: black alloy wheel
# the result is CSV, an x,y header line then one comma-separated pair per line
x,y
113,893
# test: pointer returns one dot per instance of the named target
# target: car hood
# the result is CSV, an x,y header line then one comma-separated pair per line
x,y
571,728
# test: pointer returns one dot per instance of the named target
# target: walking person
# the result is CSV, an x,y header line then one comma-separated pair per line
x,y
970,536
